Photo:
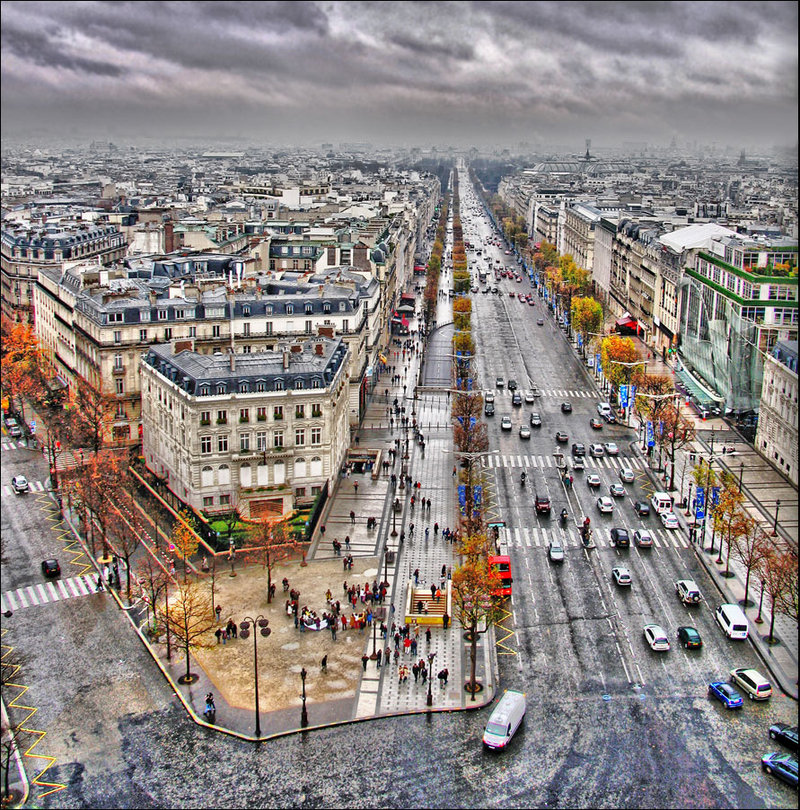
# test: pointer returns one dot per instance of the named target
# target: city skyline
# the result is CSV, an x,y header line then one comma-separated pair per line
x,y
403,74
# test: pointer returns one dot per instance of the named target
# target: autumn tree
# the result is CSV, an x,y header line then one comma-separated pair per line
x,y
750,549
775,576
128,528
189,617
475,605
678,432
92,411
586,316
184,537
788,593
14,736
615,353
99,475
152,579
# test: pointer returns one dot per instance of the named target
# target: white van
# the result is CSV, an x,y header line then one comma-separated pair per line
x,y
661,502
505,719
732,621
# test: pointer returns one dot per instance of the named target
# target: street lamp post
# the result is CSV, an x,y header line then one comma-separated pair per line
x,y
232,557
431,656
775,527
244,627
741,475
303,712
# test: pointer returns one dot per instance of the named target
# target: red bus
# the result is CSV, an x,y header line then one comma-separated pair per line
x,y
501,565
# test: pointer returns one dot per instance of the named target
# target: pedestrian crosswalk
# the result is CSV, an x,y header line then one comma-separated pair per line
x,y
545,461
49,591
11,444
560,393
33,486
535,537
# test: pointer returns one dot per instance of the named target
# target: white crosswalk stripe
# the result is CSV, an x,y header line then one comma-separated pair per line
x,y
34,486
46,592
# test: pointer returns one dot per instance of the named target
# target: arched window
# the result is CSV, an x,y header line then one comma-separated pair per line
x,y
224,475
220,388
262,474
309,309
289,309
244,387
316,467
279,471
207,477
245,475
279,385
299,468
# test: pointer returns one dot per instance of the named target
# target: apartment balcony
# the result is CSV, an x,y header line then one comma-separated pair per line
x,y
119,371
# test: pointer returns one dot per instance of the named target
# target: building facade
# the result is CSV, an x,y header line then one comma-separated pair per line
x,y
259,432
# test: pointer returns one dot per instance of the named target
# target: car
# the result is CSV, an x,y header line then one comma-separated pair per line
x,y
51,568
603,408
596,450
688,592
488,409
593,480
524,432
13,428
532,303
516,399
610,418
529,398
535,420
617,491
542,503
578,449
512,385
784,733
19,484
595,423
611,449
643,538
566,407
605,504
620,537
621,575
499,382
562,437
784,766
752,682
726,694
669,520
642,508
488,396
689,638
505,423
626,475
656,637
540,322
556,551
578,463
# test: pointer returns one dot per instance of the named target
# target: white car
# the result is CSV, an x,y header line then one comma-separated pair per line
x,y
605,504
529,398
643,538
524,432
656,637
626,475
688,591
505,423
611,449
622,576
669,520
593,480
20,484
596,450
488,396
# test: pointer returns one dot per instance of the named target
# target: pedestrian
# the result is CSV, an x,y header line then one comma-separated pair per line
x,y
427,530
454,471
416,576
378,658
355,488
218,634
322,530
324,663
352,517
347,542
435,529
406,646
396,654
332,625
224,635
364,659
433,590
415,671
423,671
397,640
428,635
413,646
386,653
445,621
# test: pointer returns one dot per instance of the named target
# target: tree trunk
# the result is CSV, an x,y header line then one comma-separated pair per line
x,y
188,672
473,651
746,585
770,638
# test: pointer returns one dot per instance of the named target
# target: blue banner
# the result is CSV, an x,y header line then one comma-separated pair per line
x,y
623,396
477,491
651,440
597,360
700,504
715,495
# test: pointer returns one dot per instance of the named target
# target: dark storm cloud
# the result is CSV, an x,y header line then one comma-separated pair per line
x,y
398,70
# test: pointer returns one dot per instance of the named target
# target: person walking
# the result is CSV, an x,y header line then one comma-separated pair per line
x,y
378,658
364,659
324,663
416,576
352,517
428,636
415,672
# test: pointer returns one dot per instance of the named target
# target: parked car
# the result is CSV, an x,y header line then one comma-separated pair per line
x,y
726,694
20,485
643,538
642,508
617,491
656,637
784,733
51,568
784,766
689,638
621,575
13,428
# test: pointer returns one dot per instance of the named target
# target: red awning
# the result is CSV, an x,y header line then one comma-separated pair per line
x,y
628,321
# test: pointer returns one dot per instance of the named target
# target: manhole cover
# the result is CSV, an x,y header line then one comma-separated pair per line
x,y
606,697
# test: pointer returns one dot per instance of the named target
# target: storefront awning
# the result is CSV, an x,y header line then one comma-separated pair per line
x,y
627,321
697,391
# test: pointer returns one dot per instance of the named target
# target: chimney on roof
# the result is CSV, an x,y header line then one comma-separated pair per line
x,y
285,360
153,298
232,357
325,331
297,348
319,349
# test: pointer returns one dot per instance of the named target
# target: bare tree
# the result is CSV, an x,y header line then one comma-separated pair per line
x,y
153,579
189,617
272,542
750,549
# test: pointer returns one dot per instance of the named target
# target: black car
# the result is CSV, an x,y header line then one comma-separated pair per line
x,y
512,385
488,409
689,638
516,399
566,407
51,568
620,538
578,449
785,734
536,420
642,508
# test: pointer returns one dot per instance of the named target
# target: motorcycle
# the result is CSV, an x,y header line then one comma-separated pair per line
x,y
564,515
522,479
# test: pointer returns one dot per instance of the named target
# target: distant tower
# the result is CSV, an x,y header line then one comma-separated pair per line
x,y
742,158
587,156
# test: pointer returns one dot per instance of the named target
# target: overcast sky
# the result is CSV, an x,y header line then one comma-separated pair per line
x,y
404,73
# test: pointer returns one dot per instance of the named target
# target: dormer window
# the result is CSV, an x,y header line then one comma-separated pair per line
x,y
298,384
279,385
309,309
326,308
269,309
220,388
246,312
289,309
342,306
